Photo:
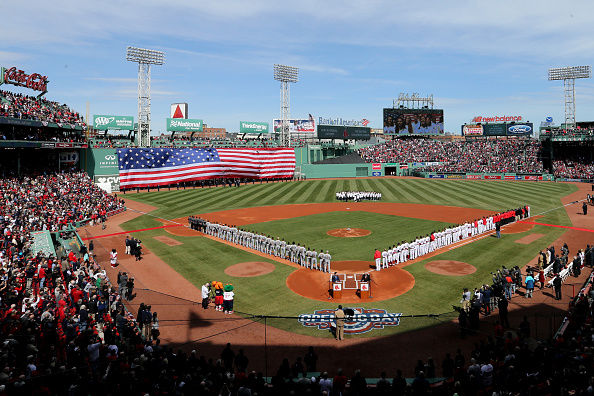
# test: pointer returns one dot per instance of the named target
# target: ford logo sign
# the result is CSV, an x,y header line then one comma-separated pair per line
x,y
520,129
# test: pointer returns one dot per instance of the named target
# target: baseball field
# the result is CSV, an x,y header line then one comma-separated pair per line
x,y
305,211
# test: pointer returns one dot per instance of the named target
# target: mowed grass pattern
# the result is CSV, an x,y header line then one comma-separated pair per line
x,y
483,194
200,259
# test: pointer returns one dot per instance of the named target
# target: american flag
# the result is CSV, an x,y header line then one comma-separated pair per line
x,y
146,167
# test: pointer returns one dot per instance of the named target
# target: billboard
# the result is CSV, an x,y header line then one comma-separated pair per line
x,y
472,130
522,129
413,122
179,110
500,129
253,127
184,125
297,126
494,129
113,122
343,132
14,76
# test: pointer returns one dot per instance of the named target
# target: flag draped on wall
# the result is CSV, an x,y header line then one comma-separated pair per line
x,y
146,167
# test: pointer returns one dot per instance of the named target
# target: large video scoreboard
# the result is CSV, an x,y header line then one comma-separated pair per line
x,y
413,121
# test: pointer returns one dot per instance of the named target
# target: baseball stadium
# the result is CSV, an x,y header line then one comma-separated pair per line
x,y
292,256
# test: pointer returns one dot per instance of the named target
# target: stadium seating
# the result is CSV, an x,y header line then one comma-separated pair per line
x,y
509,155
573,169
40,109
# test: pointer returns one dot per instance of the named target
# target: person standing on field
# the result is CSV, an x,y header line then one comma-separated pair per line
x,y
378,259
339,318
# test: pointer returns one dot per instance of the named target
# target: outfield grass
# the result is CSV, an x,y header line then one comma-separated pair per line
x,y
200,259
483,194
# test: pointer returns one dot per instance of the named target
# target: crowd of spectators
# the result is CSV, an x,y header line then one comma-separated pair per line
x,y
505,155
54,310
111,141
52,201
201,142
573,169
21,106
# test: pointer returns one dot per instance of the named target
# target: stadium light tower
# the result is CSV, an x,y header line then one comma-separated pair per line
x,y
145,58
286,75
568,75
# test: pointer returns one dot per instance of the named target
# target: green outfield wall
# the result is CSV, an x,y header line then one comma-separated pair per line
x,y
488,176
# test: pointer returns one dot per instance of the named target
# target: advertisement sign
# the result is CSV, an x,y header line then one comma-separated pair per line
x,y
343,132
112,180
17,77
184,125
472,130
106,161
297,126
362,321
253,127
376,173
436,176
494,129
376,166
342,122
113,122
474,177
413,122
179,110
493,177
497,119
454,176
509,177
520,129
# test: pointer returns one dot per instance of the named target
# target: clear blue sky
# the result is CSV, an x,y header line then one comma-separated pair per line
x,y
476,57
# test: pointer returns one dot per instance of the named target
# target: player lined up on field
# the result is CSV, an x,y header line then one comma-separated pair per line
x,y
293,252
358,195
424,245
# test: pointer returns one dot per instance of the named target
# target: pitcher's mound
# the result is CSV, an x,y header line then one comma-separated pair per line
x,y
450,267
348,232
385,284
249,269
